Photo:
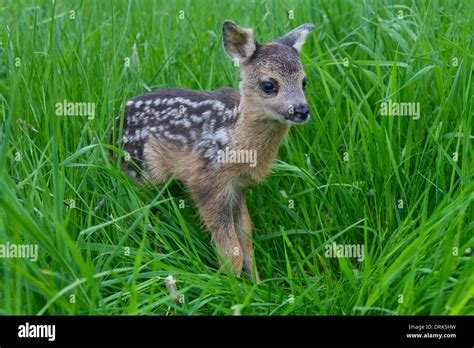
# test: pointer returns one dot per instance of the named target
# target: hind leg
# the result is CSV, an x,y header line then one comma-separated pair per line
x,y
154,167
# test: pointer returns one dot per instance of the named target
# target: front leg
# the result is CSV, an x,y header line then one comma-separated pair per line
x,y
216,204
244,233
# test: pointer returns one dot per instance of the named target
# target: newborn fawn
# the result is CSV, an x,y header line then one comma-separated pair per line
x,y
204,138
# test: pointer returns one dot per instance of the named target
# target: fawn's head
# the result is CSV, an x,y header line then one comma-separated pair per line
x,y
273,80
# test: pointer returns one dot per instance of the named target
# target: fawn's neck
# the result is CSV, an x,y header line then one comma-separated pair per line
x,y
254,132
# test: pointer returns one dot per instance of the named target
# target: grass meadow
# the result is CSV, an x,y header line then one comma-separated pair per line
x,y
400,186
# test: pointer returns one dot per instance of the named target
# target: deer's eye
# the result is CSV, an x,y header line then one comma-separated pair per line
x,y
304,83
269,87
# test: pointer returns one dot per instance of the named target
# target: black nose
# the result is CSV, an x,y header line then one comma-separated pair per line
x,y
301,113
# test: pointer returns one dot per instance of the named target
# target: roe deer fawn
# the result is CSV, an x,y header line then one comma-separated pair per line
x,y
184,133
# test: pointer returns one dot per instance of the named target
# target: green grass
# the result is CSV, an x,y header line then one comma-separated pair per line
x,y
338,178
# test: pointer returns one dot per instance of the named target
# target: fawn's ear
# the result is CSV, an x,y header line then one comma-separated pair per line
x,y
238,42
296,37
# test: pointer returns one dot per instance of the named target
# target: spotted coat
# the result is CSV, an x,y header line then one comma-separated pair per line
x,y
193,120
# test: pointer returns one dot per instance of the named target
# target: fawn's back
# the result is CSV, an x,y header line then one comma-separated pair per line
x,y
179,120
